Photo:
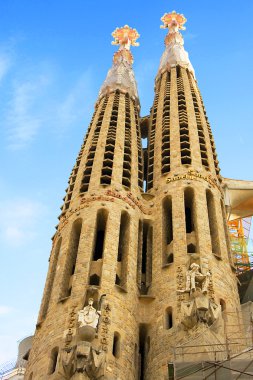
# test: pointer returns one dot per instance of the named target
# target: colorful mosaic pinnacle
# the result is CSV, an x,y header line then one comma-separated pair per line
x,y
172,20
125,37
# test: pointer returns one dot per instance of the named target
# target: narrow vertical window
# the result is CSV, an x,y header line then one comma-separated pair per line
x,y
143,332
213,227
53,360
31,376
166,128
190,220
183,120
171,371
116,345
98,248
167,232
168,318
71,259
102,216
50,280
106,174
123,246
222,305
188,204
144,264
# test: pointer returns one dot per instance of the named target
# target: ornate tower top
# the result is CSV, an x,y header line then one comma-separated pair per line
x,y
174,53
121,75
173,20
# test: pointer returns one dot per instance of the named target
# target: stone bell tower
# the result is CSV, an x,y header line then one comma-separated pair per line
x,y
193,278
134,273
88,312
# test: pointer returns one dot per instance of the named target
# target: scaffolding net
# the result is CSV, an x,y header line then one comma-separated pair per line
x,y
241,243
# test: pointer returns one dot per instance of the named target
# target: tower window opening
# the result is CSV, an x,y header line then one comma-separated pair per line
x,y
116,345
102,217
213,227
31,376
168,318
94,280
167,231
90,157
144,265
191,248
144,142
71,259
53,360
106,173
117,280
143,332
170,258
123,247
144,186
223,305
188,203
171,371
126,176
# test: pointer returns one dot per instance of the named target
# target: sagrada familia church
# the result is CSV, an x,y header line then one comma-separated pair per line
x,y
141,282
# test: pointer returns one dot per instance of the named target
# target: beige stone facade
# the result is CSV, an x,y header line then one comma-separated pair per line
x,y
156,263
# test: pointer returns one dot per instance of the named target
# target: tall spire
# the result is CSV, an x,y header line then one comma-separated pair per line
x,y
174,53
121,76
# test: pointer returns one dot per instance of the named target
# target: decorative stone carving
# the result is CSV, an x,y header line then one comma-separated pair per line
x,y
82,362
71,326
200,306
88,316
88,319
194,277
104,326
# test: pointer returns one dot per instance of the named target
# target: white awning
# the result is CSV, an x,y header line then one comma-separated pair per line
x,y
238,198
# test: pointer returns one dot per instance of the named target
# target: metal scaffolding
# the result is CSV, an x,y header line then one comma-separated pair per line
x,y
239,231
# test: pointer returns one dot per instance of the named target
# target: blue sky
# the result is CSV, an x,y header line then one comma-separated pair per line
x,y
54,55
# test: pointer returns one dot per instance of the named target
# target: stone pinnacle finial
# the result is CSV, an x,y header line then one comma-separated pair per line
x,y
174,53
173,21
125,37
121,76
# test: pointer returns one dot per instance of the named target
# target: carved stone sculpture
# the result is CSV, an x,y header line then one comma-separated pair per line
x,y
82,362
88,316
195,277
88,319
199,308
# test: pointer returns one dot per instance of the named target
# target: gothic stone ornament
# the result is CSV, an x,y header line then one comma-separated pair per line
x,y
88,319
104,326
66,362
81,362
200,308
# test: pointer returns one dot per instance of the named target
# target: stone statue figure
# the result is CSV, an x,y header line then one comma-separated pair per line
x,y
88,316
194,276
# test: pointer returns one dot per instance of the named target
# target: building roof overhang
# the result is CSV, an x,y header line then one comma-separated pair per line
x,y
238,198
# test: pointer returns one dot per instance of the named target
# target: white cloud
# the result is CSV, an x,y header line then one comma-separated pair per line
x,y
77,102
34,105
23,120
5,64
5,309
19,223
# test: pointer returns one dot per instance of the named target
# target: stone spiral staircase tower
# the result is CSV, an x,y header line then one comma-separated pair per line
x,y
132,272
